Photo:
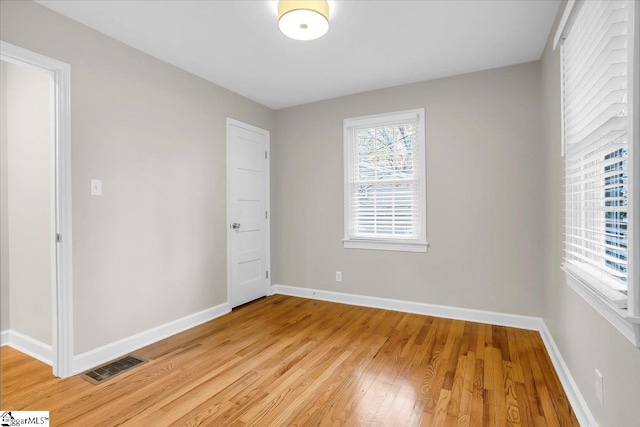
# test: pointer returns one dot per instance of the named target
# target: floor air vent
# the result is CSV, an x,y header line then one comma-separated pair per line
x,y
111,369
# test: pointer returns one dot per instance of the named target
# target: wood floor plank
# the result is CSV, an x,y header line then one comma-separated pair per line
x,y
548,410
284,361
511,396
464,413
499,391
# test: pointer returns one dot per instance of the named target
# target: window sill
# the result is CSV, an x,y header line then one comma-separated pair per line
x,y
381,245
629,326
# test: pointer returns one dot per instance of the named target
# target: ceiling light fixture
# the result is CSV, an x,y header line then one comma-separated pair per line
x,y
303,19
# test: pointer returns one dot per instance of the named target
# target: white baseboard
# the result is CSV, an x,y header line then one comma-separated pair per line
x,y
100,355
27,345
471,315
579,405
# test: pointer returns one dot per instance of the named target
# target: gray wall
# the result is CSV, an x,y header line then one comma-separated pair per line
x,y
152,248
28,207
5,319
586,340
484,195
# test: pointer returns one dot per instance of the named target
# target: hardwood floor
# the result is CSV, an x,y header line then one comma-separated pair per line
x,y
289,361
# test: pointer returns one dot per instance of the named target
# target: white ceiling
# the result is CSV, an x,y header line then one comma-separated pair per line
x,y
370,44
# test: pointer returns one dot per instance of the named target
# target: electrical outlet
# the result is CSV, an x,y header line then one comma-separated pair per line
x,y
338,276
599,387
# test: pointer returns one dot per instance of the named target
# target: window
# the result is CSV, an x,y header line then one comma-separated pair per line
x,y
598,142
385,190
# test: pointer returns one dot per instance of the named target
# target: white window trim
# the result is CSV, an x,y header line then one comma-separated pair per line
x,y
620,318
384,245
634,178
627,321
388,244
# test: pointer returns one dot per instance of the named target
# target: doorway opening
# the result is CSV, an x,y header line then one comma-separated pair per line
x,y
36,136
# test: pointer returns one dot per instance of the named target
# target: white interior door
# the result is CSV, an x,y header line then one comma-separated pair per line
x,y
247,212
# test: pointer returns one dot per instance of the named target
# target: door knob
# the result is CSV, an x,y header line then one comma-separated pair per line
x,y
235,225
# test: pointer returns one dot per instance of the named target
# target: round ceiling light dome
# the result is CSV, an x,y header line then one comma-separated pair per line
x,y
303,19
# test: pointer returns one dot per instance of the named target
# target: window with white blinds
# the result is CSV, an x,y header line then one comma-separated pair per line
x,y
385,194
596,66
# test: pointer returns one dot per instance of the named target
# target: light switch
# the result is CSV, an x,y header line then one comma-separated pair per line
x,y
96,187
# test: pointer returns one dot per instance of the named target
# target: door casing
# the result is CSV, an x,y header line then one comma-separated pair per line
x,y
61,248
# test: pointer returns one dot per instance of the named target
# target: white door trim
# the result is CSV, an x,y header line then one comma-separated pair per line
x,y
266,133
61,280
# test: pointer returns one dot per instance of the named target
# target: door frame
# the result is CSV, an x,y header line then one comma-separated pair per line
x,y
61,225
267,134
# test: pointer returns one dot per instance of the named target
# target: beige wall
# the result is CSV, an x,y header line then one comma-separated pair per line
x,y
5,320
28,207
586,340
152,248
484,195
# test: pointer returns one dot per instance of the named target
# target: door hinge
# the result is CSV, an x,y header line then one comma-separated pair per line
x,y
267,274
58,238
265,155
266,216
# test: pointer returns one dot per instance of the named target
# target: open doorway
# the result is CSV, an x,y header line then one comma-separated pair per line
x,y
26,216
35,208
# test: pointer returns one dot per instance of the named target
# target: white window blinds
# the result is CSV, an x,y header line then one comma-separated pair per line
x,y
596,124
385,178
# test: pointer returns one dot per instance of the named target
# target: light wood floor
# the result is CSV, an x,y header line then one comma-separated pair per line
x,y
289,361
